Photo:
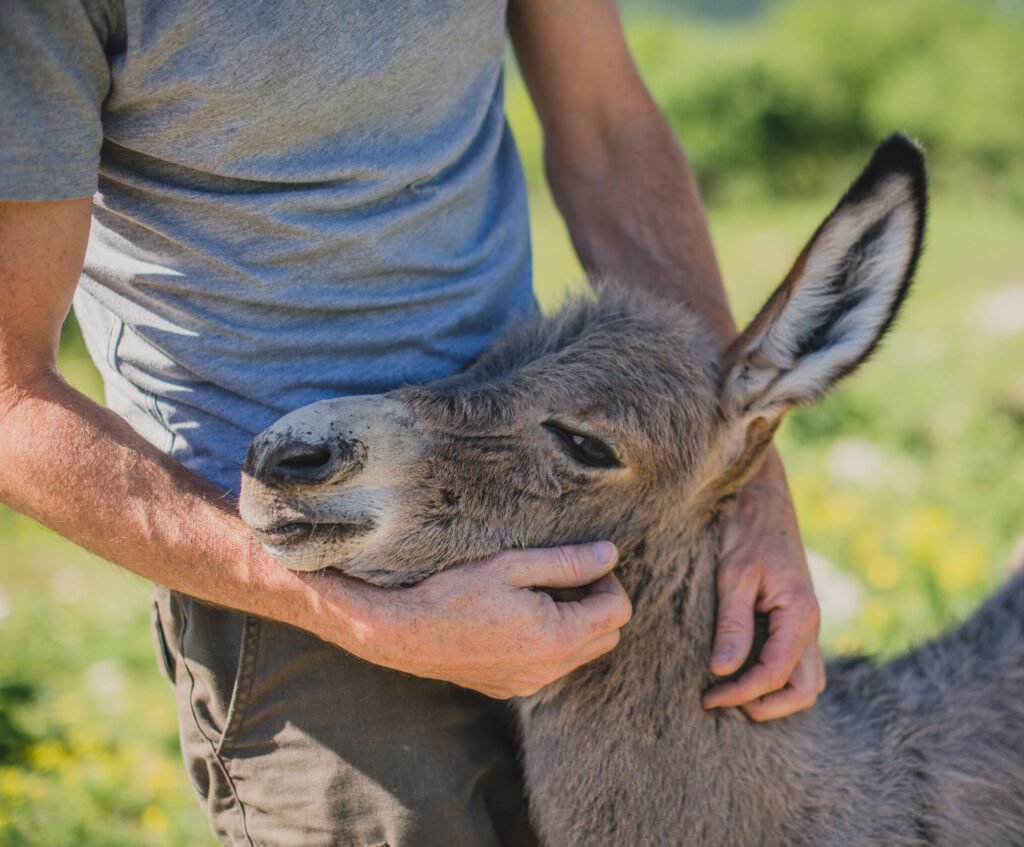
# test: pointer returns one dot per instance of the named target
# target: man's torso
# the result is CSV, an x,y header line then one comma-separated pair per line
x,y
296,201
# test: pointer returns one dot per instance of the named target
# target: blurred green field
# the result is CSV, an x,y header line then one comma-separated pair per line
x,y
909,482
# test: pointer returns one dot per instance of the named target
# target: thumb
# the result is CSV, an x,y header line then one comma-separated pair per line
x,y
563,567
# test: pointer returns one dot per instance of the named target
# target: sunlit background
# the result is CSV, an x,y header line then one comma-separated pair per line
x,y
909,480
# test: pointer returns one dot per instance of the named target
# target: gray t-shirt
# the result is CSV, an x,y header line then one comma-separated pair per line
x,y
293,200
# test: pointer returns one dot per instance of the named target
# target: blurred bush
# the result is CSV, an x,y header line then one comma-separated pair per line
x,y
782,102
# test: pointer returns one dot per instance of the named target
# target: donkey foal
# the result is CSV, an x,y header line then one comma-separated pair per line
x,y
617,419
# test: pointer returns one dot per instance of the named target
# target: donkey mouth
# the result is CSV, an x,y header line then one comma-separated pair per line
x,y
297,533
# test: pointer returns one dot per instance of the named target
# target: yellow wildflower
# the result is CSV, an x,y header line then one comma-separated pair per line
x,y
154,819
883,572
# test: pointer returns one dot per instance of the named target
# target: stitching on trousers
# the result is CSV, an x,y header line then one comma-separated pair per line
x,y
251,630
213,746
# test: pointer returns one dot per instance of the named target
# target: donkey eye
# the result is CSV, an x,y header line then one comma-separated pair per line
x,y
585,449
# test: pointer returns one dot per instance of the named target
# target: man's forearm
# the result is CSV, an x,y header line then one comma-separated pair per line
x,y
81,470
634,212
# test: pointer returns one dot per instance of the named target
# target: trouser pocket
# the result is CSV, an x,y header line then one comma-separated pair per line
x,y
209,654
290,741
162,639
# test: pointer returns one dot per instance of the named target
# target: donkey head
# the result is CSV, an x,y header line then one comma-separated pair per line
x,y
608,419
567,428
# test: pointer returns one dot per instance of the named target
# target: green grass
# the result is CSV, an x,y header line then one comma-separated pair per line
x,y
88,739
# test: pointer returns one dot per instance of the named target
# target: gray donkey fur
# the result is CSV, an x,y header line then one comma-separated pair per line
x,y
617,419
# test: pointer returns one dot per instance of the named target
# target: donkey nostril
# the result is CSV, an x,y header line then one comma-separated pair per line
x,y
316,457
298,463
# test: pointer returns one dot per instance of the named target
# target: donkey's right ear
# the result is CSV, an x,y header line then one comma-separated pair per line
x,y
841,295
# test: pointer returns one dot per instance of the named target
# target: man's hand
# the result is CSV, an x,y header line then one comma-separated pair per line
x,y
764,569
485,626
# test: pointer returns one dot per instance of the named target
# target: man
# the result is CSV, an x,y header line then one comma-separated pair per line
x,y
300,201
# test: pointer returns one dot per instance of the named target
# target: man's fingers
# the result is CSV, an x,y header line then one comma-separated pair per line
x,y
801,692
734,630
605,608
790,628
586,653
578,648
527,687
581,630
753,684
793,627
607,584
561,567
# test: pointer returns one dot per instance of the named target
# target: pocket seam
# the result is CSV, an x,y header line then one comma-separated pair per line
x,y
242,691
215,746
164,655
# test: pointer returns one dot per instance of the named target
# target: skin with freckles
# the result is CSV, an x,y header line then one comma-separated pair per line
x,y
616,419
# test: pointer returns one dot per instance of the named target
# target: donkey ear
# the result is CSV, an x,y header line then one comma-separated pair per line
x,y
841,295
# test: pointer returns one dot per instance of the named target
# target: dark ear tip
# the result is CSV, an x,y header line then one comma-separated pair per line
x,y
900,152
897,154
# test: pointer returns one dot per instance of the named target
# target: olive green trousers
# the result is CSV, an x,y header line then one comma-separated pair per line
x,y
289,741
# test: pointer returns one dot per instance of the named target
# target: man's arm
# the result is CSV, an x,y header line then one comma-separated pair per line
x,y
633,210
79,469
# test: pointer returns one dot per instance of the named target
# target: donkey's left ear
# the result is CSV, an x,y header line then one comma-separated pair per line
x,y
841,295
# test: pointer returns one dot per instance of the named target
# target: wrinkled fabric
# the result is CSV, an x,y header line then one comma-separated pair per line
x,y
294,200
292,743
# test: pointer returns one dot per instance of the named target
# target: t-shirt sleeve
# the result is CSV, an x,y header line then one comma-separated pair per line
x,y
54,76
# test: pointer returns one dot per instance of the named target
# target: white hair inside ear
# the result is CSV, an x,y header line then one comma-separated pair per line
x,y
841,294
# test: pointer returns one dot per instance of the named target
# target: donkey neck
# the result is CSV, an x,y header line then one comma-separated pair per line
x,y
731,762
668,571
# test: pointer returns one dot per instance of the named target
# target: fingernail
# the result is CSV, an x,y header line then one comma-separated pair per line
x,y
604,552
721,655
